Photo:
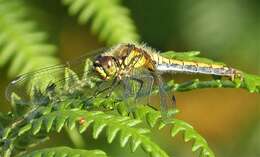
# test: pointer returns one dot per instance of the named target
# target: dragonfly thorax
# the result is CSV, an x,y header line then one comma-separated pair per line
x,y
120,61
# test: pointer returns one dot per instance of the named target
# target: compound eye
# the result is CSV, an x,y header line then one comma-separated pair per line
x,y
96,64
109,63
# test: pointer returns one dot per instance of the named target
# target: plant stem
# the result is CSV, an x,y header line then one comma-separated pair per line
x,y
76,138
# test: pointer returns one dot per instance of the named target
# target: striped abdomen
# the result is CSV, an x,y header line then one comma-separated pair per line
x,y
172,65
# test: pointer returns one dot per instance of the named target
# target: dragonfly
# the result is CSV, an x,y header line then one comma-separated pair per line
x,y
125,63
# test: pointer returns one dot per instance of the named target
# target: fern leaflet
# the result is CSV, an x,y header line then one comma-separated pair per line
x,y
19,37
153,117
65,151
55,121
110,20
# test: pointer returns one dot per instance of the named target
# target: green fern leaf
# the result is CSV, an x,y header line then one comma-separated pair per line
x,y
178,55
25,129
110,20
65,152
60,121
250,83
71,122
6,133
111,133
37,127
189,56
153,117
21,43
98,127
18,108
71,79
124,127
190,134
49,122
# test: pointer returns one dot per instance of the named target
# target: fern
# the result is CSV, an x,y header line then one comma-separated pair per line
x,y
153,118
65,151
36,124
110,20
189,134
250,83
21,43
55,121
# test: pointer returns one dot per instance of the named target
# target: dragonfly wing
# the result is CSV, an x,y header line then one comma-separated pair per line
x,y
147,87
127,88
48,78
145,84
24,84
167,105
138,83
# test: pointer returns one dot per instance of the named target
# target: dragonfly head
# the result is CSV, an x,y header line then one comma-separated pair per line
x,y
105,66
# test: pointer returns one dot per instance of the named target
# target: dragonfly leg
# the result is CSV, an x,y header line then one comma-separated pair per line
x,y
100,91
166,110
141,82
110,88
127,88
127,94
151,106
174,101
147,84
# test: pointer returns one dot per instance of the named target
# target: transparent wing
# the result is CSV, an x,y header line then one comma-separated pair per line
x,y
23,84
139,83
47,78
168,106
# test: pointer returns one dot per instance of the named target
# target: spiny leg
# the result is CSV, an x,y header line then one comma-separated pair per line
x,y
166,110
150,82
146,85
174,101
130,89
113,86
110,88
127,95
127,88
101,91
141,83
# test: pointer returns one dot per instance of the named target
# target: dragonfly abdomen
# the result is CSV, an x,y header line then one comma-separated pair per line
x,y
178,66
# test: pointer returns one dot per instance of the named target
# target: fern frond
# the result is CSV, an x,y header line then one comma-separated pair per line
x,y
110,20
55,121
249,82
21,43
153,118
190,134
65,151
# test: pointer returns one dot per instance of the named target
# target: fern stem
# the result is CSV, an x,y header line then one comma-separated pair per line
x,y
250,83
197,84
76,138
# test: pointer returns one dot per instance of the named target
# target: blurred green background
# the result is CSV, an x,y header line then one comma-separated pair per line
x,y
227,31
